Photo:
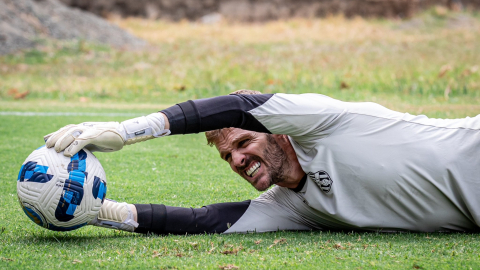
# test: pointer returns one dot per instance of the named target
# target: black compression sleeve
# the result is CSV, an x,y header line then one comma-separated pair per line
x,y
214,218
216,113
151,217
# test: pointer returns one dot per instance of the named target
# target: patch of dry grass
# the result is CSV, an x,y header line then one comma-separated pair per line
x,y
335,29
430,59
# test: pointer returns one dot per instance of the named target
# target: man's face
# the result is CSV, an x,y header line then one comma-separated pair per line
x,y
257,157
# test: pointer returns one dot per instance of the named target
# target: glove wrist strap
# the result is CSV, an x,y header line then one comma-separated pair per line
x,y
143,128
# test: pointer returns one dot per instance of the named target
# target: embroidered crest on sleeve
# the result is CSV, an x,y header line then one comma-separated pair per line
x,y
322,179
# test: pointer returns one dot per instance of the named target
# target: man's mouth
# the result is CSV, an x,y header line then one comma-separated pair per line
x,y
252,171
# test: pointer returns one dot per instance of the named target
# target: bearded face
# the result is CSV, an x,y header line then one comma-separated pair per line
x,y
277,161
257,157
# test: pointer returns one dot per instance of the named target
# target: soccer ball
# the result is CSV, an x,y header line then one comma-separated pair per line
x,y
61,193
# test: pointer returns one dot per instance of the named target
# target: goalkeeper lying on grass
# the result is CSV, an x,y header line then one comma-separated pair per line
x,y
334,165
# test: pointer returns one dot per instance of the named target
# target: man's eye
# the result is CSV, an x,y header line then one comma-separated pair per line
x,y
242,142
227,157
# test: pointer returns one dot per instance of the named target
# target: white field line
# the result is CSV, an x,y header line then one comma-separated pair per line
x,y
67,114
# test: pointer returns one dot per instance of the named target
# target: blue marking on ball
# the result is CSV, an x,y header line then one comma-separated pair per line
x,y
33,172
77,176
33,215
99,188
73,188
64,229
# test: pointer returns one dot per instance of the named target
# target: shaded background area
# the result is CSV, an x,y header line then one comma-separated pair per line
x,y
26,23
59,53
261,10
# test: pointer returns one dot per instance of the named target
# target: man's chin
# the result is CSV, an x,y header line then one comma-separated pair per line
x,y
261,184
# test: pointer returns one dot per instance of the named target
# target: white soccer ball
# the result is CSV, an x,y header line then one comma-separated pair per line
x,y
61,193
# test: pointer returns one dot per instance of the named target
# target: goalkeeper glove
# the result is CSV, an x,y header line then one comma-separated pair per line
x,y
106,136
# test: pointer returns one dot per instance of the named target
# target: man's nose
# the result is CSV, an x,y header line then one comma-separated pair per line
x,y
238,159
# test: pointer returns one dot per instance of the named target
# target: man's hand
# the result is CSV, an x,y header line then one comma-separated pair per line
x,y
94,136
107,136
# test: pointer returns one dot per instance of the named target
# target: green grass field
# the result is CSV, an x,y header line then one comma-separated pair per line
x,y
429,65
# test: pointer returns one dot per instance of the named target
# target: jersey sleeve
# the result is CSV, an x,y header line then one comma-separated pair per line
x,y
294,115
300,116
274,210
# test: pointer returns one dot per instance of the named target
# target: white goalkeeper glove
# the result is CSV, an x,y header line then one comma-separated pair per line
x,y
106,136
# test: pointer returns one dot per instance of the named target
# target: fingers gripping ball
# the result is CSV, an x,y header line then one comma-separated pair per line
x,y
61,193
94,136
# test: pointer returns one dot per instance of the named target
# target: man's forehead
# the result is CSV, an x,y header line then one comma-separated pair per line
x,y
229,135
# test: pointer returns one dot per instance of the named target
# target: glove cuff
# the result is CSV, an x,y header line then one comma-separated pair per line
x,y
143,128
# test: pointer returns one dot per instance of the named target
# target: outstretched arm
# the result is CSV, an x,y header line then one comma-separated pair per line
x,y
188,117
267,213
299,116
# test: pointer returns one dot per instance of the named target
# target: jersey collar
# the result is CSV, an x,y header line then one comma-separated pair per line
x,y
301,184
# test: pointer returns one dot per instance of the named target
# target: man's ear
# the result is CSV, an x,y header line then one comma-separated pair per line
x,y
281,139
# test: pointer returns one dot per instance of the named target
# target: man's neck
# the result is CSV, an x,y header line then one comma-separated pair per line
x,y
295,172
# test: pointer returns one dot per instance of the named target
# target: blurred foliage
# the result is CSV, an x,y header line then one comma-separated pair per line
x,y
433,58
